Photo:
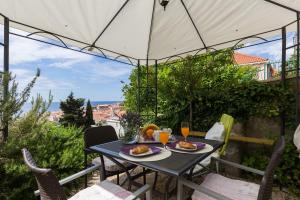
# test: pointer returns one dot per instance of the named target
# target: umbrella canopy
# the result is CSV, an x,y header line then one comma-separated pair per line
x,y
143,29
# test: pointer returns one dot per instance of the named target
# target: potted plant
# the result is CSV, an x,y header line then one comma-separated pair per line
x,y
130,122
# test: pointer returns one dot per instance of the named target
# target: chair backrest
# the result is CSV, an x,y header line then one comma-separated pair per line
x,y
48,184
227,121
99,135
265,190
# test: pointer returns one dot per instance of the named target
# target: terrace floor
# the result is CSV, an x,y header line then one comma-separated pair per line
x,y
277,194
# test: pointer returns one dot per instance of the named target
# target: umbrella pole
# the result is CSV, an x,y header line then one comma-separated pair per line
x,y
283,78
6,71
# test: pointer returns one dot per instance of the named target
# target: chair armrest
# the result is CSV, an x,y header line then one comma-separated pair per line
x,y
239,166
145,189
202,189
73,177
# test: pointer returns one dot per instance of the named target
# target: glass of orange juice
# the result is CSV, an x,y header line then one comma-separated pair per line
x,y
185,129
164,137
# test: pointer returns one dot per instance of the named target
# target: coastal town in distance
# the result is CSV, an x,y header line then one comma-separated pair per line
x,y
102,114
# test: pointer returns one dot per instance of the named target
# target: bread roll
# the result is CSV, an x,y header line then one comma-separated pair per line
x,y
140,149
186,145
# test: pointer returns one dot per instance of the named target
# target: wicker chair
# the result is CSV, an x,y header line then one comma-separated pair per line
x,y
216,186
99,135
50,188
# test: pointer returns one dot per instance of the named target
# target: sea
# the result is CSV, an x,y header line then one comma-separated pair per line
x,y
55,105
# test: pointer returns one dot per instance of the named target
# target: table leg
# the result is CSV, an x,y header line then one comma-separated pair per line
x,y
144,176
125,170
179,190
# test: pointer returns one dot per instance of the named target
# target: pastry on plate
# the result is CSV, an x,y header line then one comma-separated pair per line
x,y
140,149
186,145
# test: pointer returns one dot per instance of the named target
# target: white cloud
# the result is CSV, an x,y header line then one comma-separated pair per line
x,y
24,76
104,72
24,50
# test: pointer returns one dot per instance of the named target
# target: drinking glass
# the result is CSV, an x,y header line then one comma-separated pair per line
x,y
164,137
185,129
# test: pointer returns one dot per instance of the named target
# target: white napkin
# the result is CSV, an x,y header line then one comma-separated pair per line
x,y
216,132
297,139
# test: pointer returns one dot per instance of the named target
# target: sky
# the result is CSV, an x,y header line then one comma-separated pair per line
x,y
271,51
63,71
89,77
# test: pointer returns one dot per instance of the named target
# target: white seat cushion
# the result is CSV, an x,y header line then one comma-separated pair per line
x,y
104,191
205,163
110,165
234,189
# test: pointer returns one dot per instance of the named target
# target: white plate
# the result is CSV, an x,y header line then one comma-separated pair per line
x,y
155,157
141,154
184,149
208,148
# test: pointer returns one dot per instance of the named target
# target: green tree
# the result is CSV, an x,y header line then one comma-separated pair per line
x,y
73,111
11,104
89,114
201,88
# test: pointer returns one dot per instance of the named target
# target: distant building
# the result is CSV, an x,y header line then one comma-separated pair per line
x,y
265,70
55,116
101,113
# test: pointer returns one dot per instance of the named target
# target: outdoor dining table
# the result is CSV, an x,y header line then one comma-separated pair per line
x,y
175,165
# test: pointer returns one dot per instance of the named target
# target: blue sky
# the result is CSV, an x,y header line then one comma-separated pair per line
x,y
272,50
89,77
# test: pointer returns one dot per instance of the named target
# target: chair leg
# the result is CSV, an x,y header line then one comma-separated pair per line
x,y
118,178
144,176
167,186
155,180
217,167
129,185
85,165
102,171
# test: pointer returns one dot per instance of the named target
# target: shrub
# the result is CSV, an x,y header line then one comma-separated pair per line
x,y
56,147
51,145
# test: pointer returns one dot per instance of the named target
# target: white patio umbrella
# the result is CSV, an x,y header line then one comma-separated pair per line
x,y
144,29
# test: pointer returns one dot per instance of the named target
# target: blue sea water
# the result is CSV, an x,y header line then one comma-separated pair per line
x,y
55,105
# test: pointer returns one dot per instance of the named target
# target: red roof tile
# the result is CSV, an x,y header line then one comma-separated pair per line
x,y
240,58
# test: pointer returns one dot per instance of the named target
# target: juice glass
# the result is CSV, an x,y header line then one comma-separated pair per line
x,y
185,129
164,137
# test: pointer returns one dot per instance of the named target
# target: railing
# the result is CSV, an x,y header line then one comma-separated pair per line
x,y
272,70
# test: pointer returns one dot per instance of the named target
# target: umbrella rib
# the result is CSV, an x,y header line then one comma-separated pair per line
x,y
190,17
150,31
109,23
282,6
